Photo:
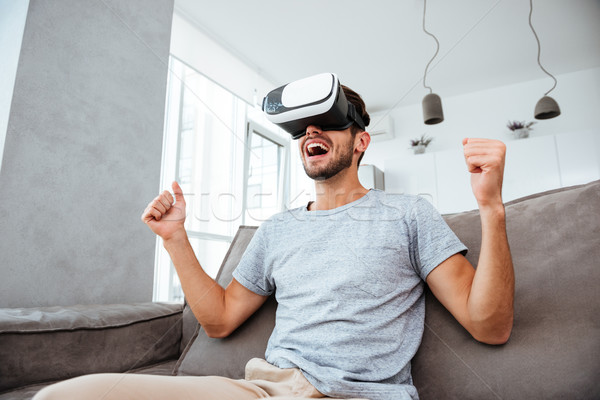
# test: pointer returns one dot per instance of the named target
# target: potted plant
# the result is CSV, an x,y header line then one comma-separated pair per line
x,y
419,145
520,129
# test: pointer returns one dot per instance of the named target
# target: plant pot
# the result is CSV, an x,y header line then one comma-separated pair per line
x,y
521,133
419,149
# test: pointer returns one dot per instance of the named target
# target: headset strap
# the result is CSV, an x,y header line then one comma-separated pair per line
x,y
354,116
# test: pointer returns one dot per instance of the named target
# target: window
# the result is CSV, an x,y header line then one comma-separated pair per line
x,y
265,172
231,166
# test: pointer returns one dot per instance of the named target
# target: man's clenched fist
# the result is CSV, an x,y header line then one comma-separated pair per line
x,y
165,215
485,162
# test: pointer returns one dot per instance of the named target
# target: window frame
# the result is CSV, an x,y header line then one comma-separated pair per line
x,y
283,178
164,277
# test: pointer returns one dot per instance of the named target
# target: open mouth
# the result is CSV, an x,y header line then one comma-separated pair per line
x,y
317,149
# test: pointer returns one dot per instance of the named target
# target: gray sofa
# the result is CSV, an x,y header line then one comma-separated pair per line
x,y
553,353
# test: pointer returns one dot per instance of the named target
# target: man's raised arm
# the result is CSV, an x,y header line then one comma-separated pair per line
x,y
482,300
219,311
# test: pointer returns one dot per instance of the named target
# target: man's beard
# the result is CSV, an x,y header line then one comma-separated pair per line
x,y
334,166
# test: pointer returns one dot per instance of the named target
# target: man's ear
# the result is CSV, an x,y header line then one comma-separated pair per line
x,y
364,138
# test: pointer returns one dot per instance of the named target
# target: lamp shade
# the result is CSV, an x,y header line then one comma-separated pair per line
x,y
546,108
432,109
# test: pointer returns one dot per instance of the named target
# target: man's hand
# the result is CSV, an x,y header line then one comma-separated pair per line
x,y
165,215
219,311
485,161
482,299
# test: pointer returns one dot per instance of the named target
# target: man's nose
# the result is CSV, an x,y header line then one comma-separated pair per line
x,y
313,129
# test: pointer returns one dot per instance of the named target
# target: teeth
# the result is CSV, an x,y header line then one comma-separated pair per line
x,y
311,146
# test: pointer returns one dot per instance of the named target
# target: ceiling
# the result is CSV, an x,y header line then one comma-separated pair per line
x,y
379,49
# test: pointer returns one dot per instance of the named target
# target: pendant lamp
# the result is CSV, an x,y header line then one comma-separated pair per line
x,y
432,103
546,107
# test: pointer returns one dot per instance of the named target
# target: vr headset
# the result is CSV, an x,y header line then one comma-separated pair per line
x,y
317,100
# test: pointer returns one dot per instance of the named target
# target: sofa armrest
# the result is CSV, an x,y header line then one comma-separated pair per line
x,y
53,343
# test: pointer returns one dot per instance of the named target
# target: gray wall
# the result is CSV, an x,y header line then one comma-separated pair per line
x,y
82,153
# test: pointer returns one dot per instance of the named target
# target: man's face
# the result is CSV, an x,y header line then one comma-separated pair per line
x,y
326,153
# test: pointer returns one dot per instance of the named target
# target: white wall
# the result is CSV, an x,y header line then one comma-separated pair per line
x,y
476,114
485,114
13,14
557,144
207,56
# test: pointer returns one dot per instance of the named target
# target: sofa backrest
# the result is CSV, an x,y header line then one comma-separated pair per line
x,y
553,351
47,344
224,276
227,357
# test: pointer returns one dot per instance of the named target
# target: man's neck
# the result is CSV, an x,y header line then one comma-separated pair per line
x,y
337,191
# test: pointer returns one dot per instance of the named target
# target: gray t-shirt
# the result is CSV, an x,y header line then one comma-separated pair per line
x,y
349,287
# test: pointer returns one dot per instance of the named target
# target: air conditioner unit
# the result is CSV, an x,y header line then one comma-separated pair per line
x,y
381,127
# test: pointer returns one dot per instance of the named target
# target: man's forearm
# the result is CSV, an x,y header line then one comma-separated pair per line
x,y
491,297
205,297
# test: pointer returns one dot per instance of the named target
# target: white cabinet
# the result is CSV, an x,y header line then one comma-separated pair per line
x,y
440,177
578,157
532,165
453,182
412,174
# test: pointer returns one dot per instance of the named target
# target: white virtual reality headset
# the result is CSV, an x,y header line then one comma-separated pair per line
x,y
317,100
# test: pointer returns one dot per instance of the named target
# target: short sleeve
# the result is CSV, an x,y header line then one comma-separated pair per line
x,y
252,271
431,239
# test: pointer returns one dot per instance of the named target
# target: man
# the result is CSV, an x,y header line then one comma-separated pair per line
x,y
348,272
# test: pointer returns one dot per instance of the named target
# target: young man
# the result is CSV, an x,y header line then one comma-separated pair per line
x,y
348,272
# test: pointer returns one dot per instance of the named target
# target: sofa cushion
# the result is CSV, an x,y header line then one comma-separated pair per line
x,y
48,344
27,392
553,350
228,356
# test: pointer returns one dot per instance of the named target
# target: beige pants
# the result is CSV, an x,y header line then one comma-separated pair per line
x,y
263,380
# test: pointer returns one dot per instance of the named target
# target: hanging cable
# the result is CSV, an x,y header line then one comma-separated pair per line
x,y
539,48
436,50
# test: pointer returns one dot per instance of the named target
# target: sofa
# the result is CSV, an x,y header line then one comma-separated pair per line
x,y
553,352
